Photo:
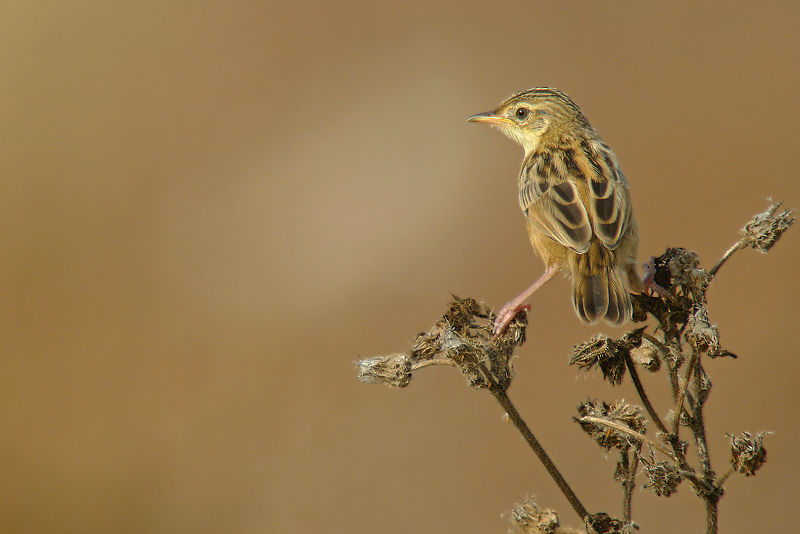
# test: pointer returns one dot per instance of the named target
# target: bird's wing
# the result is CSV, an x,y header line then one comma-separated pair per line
x,y
609,201
549,197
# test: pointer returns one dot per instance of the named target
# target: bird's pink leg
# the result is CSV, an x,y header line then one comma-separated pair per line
x,y
511,309
649,281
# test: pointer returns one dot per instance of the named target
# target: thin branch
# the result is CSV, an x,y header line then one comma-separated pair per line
x,y
625,430
740,245
666,351
728,473
679,403
699,428
631,465
711,514
642,394
434,361
500,394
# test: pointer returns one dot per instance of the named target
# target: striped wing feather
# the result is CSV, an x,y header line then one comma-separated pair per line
x,y
609,201
550,196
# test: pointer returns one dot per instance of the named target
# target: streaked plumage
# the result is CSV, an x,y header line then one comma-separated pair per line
x,y
576,203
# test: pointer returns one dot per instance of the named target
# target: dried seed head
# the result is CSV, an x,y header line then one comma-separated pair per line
x,y
677,267
426,346
663,477
683,265
701,333
603,352
646,355
462,337
394,370
595,415
603,524
704,335
528,518
766,228
747,453
462,314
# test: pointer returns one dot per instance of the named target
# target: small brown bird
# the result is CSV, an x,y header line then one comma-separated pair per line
x,y
576,202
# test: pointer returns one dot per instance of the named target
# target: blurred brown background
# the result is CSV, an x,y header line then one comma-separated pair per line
x,y
209,210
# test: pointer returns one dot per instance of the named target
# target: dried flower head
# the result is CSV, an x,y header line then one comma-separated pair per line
x,y
602,523
462,338
528,518
704,335
766,228
647,355
603,352
608,354
677,267
747,453
394,370
684,266
663,477
600,420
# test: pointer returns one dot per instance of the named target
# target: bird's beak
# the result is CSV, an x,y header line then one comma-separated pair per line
x,y
489,117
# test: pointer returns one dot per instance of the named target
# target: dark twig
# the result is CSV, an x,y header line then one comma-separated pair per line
x,y
502,398
699,427
712,509
682,396
666,352
631,463
642,395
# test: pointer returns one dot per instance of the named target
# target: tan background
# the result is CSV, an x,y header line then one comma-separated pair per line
x,y
209,210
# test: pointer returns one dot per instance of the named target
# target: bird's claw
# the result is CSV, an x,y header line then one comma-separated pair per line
x,y
505,317
649,280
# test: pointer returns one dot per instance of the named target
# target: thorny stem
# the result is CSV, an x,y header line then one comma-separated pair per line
x,y
434,361
679,403
631,464
501,397
641,438
699,429
712,503
741,244
665,350
724,477
626,484
642,394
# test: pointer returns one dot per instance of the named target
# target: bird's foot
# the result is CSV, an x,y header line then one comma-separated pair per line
x,y
649,280
507,315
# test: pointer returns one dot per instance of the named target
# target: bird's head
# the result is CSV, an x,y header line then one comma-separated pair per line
x,y
536,115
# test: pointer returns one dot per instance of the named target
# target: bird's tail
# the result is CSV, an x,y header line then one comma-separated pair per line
x,y
598,290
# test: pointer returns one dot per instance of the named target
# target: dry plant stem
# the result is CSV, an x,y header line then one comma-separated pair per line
x,y
641,438
500,394
642,394
679,403
713,491
627,497
741,244
711,514
665,350
434,361
724,477
699,430
631,463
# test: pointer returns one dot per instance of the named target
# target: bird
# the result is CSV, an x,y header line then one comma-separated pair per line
x,y
576,204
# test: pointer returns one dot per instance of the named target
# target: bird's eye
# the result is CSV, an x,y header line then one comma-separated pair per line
x,y
522,113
